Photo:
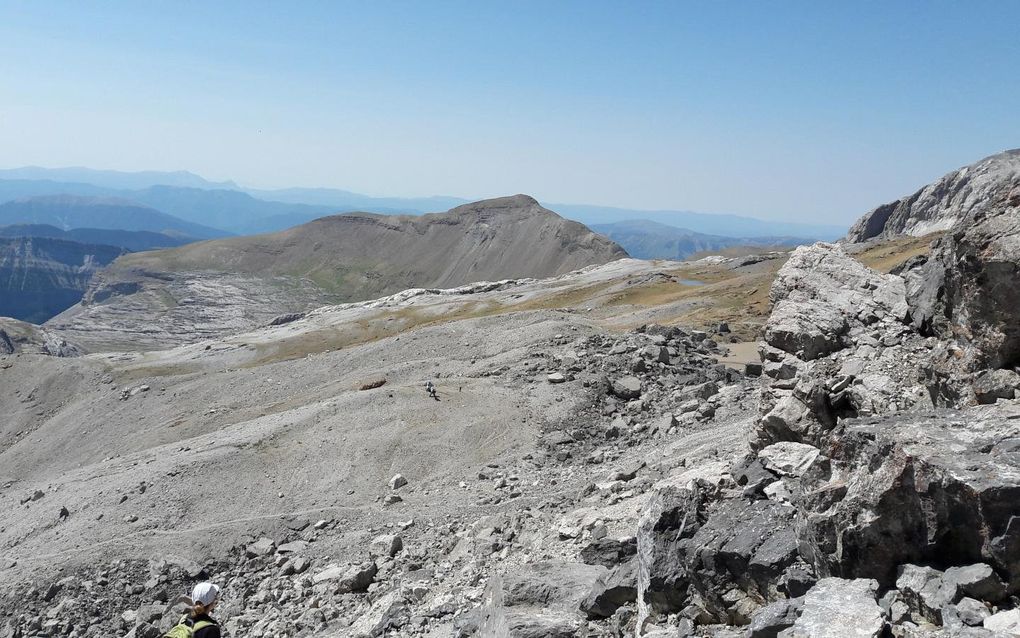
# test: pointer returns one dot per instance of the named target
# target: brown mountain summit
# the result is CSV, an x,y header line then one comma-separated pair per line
x,y
163,298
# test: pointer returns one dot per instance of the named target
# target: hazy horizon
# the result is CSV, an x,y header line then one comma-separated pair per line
x,y
802,113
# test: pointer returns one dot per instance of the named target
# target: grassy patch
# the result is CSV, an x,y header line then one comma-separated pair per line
x,y
889,254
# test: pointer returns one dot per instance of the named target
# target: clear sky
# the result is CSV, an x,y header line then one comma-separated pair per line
x,y
806,111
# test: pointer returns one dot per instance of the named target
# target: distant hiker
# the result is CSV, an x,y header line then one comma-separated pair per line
x,y
431,389
198,623
63,513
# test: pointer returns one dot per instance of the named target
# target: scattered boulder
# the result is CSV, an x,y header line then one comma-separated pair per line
x,y
542,601
773,618
788,458
993,385
979,581
609,552
627,388
372,384
921,589
289,317
387,613
346,579
837,608
262,547
972,612
1004,622
386,545
397,482
612,591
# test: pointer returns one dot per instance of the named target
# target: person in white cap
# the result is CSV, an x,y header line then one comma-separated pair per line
x,y
198,623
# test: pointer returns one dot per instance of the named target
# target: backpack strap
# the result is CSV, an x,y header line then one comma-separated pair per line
x,y
202,624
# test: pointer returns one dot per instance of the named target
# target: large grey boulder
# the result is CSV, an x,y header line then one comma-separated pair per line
x,y
386,614
789,458
833,317
1004,623
673,513
609,552
992,385
775,617
349,578
966,291
921,588
728,554
541,600
837,608
551,584
626,387
942,487
977,581
612,591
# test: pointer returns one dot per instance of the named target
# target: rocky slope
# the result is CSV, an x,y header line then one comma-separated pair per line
x,y
40,277
194,454
19,337
163,298
965,194
572,478
567,482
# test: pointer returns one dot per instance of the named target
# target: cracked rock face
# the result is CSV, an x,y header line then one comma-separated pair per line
x,y
963,194
939,488
874,469
837,346
968,289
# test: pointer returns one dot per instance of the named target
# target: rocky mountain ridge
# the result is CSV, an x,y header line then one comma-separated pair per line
x,y
163,298
963,195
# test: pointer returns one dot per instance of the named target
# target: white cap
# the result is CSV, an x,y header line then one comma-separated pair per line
x,y
205,593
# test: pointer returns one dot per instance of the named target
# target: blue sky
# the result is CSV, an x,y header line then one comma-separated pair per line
x,y
803,111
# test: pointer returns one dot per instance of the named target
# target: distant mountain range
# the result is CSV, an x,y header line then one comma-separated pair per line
x,y
75,211
709,224
645,239
230,208
133,240
118,180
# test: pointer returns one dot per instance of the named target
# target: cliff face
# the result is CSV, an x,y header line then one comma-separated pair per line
x,y
965,194
40,277
164,298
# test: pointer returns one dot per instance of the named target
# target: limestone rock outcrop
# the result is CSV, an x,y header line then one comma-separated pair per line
x,y
967,290
964,194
